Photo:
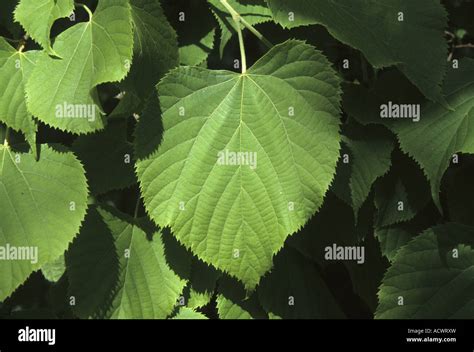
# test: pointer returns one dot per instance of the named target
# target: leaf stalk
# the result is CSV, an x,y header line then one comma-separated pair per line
x,y
7,134
238,20
89,12
247,25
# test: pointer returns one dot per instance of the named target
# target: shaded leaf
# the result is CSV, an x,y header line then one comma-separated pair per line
x,y
377,30
155,49
431,285
107,157
295,290
93,52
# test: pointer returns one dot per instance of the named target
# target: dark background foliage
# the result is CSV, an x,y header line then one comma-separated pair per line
x,y
354,289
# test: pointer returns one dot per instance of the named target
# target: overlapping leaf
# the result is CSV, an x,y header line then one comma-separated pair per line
x,y
202,284
296,290
54,270
402,193
253,11
141,285
61,92
370,159
229,310
391,239
42,204
189,314
415,44
234,302
442,132
325,229
366,277
15,69
155,49
439,134
424,283
144,274
37,17
195,26
92,268
107,157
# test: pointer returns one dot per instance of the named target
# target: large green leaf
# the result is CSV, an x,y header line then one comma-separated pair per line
x,y
15,68
42,204
416,44
37,17
92,52
426,283
236,217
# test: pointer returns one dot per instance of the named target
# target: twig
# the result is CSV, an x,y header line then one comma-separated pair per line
x,y
468,45
236,16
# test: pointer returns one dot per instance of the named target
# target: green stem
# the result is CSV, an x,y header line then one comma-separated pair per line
x,y
137,207
7,134
236,16
89,12
365,73
242,47
256,33
22,43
